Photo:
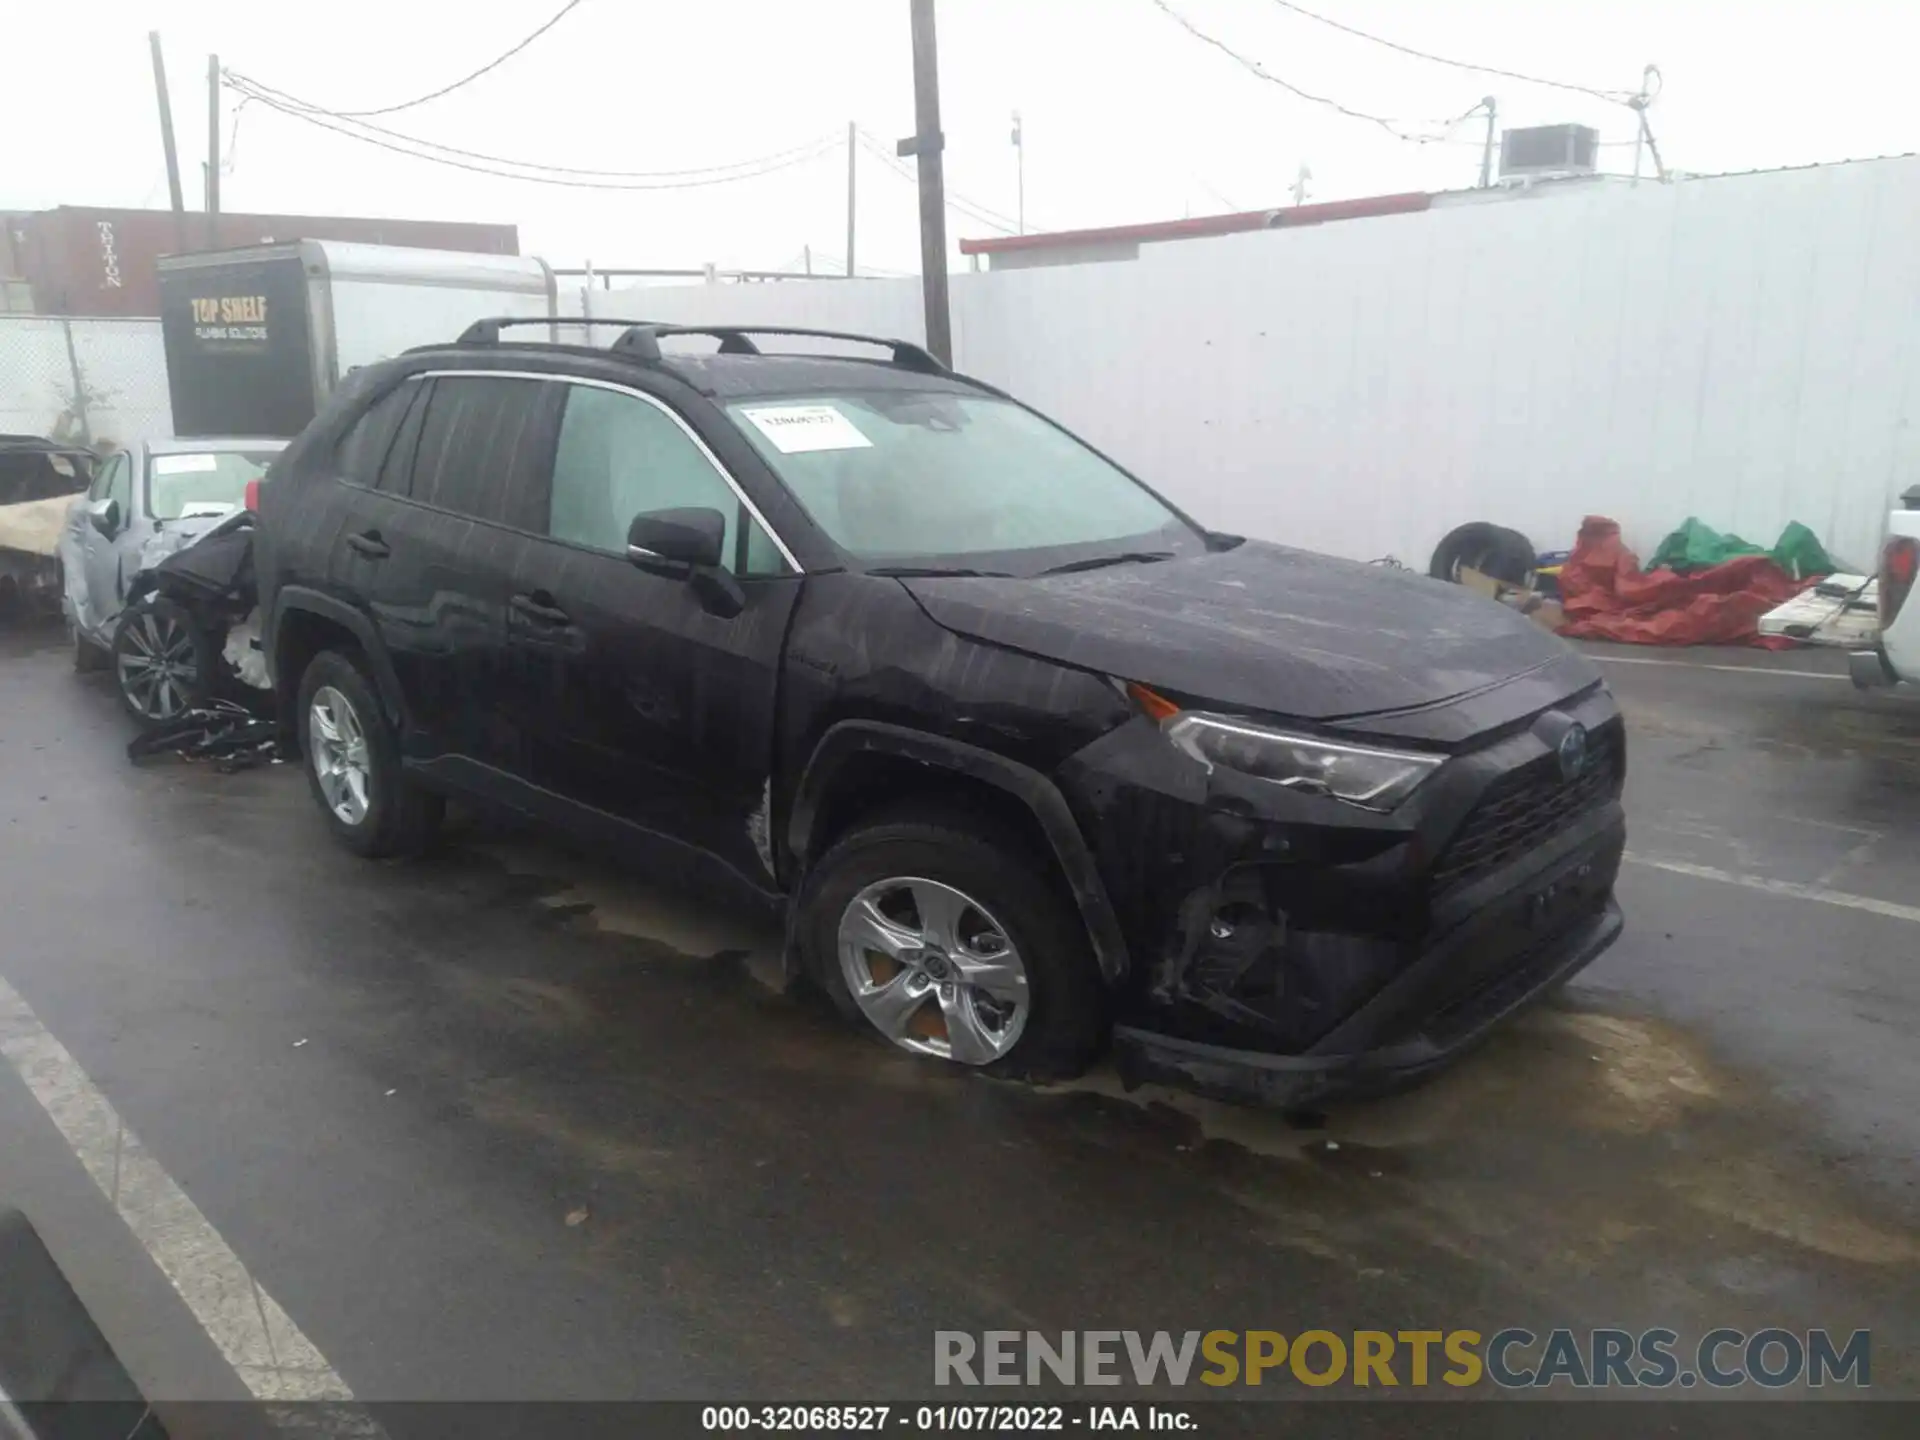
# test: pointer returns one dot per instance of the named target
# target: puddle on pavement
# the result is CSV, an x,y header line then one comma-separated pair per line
x,y
612,901
1578,1150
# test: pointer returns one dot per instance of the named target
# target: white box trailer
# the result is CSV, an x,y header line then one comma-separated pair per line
x,y
257,338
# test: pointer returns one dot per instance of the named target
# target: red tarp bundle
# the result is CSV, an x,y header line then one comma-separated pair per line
x,y
1607,596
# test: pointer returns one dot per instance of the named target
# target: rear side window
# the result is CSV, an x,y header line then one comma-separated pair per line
x,y
363,449
480,446
396,471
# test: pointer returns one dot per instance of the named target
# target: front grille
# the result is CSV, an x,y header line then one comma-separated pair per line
x,y
1525,807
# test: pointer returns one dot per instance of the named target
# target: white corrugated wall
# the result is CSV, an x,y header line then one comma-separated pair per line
x,y
1742,349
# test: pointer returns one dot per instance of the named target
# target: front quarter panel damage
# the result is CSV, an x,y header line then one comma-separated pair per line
x,y
869,675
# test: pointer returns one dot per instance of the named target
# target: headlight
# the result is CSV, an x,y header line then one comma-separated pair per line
x,y
1358,774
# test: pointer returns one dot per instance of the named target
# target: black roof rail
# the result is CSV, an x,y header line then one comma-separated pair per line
x,y
642,342
487,331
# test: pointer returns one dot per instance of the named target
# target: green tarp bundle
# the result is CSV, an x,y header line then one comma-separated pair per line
x,y
1697,546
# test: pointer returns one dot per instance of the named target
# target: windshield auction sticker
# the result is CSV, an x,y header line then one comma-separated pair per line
x,y
184,464
798,429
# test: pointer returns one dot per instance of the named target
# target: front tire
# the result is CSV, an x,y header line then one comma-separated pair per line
x,y
164,664
939,933
353,764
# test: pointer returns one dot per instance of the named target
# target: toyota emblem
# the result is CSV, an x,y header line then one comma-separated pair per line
x,y
1573,752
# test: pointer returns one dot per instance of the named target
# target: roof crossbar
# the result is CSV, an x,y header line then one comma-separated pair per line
x,y
643,342
487,331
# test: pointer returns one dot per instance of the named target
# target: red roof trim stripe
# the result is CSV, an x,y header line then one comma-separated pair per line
x,y
1281,218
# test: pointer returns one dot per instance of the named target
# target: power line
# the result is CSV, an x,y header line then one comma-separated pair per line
x,y
867,272
1617,97
433,150
1392,127
493,64
972,209
536,176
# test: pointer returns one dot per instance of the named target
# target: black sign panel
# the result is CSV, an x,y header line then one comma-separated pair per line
x,y
239,351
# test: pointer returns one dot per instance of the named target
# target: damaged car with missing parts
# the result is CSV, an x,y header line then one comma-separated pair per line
x,y
1033,762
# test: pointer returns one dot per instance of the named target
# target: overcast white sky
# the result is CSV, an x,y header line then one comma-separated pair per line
x,y
1126,116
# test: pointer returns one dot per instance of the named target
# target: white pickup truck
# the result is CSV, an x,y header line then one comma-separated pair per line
x,y
1895,656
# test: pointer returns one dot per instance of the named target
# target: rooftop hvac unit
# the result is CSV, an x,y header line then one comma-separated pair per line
x,y
1549,150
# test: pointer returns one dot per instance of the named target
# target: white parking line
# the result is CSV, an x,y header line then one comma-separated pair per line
x,y
1793,888
1729,669
263,1345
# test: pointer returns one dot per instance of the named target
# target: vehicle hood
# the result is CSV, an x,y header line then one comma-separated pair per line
x,y
34,526
1271,629
173,536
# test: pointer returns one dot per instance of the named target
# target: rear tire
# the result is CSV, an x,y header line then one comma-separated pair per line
x,y
352,759
1065,1022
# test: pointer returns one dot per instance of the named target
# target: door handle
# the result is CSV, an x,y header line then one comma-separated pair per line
x,y
536,607
369,544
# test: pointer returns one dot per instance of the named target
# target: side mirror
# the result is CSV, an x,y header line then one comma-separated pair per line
x,y
677,542
105,517
688,545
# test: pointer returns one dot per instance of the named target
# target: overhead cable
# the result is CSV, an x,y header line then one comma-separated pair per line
x,y
1617,97
510,168
972,209
546,175
1392,127
493,64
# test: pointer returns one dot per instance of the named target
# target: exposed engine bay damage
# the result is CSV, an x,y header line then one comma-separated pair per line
x,y
1237,959
206,579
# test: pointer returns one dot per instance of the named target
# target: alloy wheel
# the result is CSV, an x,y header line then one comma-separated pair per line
x,y
337,743
933,970
156,667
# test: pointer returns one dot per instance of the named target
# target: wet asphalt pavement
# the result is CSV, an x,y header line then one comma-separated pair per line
x,y
505,1122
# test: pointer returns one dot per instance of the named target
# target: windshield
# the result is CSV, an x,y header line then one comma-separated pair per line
x,y
207,483
897,476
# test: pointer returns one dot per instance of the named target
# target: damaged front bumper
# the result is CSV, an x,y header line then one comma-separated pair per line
x,y
1288,949
1401,1056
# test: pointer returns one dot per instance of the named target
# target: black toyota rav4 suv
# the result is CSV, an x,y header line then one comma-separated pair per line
x,y
1031,759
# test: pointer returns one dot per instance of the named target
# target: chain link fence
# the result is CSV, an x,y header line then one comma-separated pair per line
x,y
95,382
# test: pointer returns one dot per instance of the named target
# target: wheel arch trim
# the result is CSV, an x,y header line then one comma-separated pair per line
x,y
299,599
845,742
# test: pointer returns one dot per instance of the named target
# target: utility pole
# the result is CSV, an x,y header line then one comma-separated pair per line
x,y
1486,154
213,152
1020,171
925,146
806,258
853,147
166,139
1650,86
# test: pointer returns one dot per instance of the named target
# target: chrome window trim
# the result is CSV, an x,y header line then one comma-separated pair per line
x,y
658,404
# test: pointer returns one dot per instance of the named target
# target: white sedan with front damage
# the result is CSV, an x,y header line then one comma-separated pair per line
x,y
146,503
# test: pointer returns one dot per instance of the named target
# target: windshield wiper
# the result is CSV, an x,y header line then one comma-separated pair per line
x,y
923,572
1100,562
